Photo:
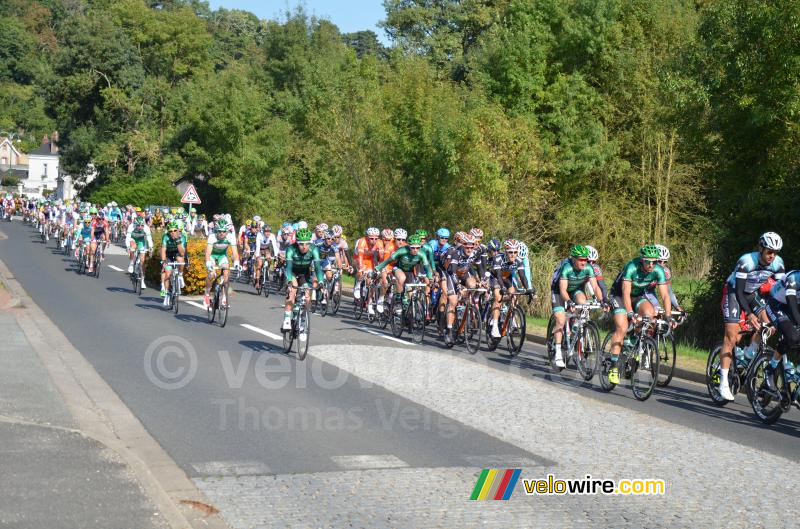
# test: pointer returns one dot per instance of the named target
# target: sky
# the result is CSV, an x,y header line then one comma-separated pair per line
x,y
348,15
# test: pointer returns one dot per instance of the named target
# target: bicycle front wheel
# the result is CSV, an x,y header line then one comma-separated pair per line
x,y
766,404
604,363
418,319
515,332
175,297
358,303
224,306
588,351
645,369
472,329
667,357
212,306
336,298
304,327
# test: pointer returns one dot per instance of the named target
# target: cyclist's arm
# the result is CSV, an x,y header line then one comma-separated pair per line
x,y
626,295
596,288
741,297
164,247
673,298
525,281
426,264
663,291
563,284
289,264
317,263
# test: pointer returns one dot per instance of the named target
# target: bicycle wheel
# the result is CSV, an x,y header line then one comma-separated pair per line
x,y
138,280
265,281
259,285
304,326
588,351
336,297
515,333
667,357
472,329
80,260
766,405
492,343
224,306
713,375
358,303
397,320
383,318
288,337
96,265
644,373
212,306
604,363
418,319
175,297
322,295
550,340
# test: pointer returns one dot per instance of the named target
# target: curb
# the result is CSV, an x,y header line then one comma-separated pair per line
x,y
101,415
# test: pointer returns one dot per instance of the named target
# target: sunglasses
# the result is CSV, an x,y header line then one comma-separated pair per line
x,y
444,238
373,238
400,240
583,260
510,252
414,247
174,231
649,261
771,252
304,244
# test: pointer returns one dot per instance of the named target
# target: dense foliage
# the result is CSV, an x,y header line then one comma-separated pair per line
x,y
613,122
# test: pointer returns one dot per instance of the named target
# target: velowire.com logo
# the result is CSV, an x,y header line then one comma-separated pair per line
x,y
496,484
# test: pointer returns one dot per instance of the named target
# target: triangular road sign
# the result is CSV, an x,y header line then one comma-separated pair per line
x,y
191,196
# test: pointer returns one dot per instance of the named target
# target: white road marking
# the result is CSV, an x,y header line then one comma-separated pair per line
x,y
368,462
115,268
392,338
196,304
262,331
232,468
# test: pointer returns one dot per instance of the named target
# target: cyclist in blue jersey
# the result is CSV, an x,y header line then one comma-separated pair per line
x,y
784,312
740,298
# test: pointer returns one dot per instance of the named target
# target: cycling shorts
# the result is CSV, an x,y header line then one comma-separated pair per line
x,y
619,306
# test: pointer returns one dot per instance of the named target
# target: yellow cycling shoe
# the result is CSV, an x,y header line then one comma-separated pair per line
x,y
613,375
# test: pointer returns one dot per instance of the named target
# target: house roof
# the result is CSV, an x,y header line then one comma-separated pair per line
x,y
19,173
44,150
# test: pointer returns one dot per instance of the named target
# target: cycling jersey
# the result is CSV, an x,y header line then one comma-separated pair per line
x,y
750,269
250,238
437,251
99,228
172,244
298,264
219,248
140,235
506,271
651,291
264,242
404,260
365,254
461,263
575,278
640,279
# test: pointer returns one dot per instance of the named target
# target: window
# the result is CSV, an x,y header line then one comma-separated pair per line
x,y
45,172
4,160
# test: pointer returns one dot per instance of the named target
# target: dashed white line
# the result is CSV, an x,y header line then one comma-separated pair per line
x,y
368,462
262,331
392,338
115,268
196,304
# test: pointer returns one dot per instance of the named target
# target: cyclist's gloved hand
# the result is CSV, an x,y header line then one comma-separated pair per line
x,y
210,266
570,305
632,316
530,297
237,265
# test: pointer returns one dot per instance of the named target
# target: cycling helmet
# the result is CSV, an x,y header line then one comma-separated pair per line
x,y
414,241
443,233
222,225
87,220
402,234
423,234
139,221
285,224
302,225
192,210
287,230
593,255
113,204
322,227
227,217
580,251
649,251
771,241
373,232
495,245
304,235
93,211
172,226
476,232
663,252
329,234
295,226
337,230
248,222
459,237
511,244
468,238
523,250
256,218
387,234
266,227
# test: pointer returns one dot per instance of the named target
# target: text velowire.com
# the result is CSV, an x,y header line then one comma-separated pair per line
x,y
590,486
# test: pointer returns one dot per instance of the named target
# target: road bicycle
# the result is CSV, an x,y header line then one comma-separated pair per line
x,y
333,287
667,351
511,324
742,364
769,404
138,273
301,324
413,315
638,360
173,296
468,322
218,303
262,285
99,248
580,340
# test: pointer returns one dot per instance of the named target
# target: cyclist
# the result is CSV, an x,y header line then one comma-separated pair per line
x,y
567,290
405,259
439,247
594,257
663,257
507,269
266,248
300,258
628,298
740,298
217,255
389,247
464,266
249,239
173,249
342,247
83,234
367,251
329,253
784,312
100,233
137,238
319,234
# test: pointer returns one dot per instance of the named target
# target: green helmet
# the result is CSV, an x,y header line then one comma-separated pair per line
x,y
222,225
173,226
415,240
139,221
304,235
93,211
649,251
579,250
423,234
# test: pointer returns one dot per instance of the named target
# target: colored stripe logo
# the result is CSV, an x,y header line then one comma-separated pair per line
x,y
495,484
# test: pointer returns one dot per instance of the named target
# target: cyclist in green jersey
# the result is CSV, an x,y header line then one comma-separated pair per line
x,y
405,260
566,291
628,297
217,254
173,249
301,257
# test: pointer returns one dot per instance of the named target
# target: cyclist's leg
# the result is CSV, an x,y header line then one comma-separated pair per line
x,y
400,278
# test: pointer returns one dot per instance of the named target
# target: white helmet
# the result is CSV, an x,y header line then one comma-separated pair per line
x,y
302,225
321,227
113,204
523,250
593,255
227,217
373,232
663,252
771,241
337,230
400,233
256,218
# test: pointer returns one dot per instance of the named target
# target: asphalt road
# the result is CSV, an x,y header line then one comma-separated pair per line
x,y
281,421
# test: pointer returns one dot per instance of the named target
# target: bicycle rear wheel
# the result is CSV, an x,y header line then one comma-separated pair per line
x,y
515,333
212,306
766,405
667,356
604,363
224,305
550,340
645,369
138,285
322,295
304,326
713,375
418,319
397,320
358,303
588,349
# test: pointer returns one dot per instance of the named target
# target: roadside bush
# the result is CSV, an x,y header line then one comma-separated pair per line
x,y
194,274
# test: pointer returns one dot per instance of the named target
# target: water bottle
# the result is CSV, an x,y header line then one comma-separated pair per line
x,y
788,369
504,310
739,352
460,311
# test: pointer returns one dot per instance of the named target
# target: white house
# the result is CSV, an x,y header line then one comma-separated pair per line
x,y
43,166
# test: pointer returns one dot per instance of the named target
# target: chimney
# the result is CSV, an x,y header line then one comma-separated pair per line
x,y
54,143
45,140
